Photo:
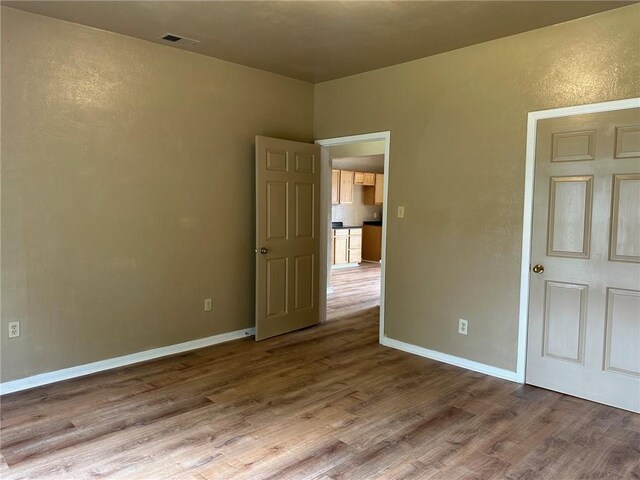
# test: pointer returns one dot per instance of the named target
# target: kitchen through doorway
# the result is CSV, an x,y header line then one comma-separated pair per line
x,y
355,227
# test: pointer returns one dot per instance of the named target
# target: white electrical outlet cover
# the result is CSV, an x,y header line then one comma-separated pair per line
x,y
14,329
463,326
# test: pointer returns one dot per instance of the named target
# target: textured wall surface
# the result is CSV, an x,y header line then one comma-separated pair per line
x,y
458,128
127,191
127,181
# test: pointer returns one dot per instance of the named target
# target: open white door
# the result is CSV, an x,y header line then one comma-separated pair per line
x,y
584,314
287,236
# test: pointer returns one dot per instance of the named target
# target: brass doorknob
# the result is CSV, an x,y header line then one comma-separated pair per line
x,y
538,268
264,251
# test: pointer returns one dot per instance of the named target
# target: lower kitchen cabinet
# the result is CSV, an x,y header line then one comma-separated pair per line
x,y
341,246
355,245
372,242
347,246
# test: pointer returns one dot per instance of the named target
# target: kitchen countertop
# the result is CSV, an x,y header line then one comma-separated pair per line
x,y
343,227
340,226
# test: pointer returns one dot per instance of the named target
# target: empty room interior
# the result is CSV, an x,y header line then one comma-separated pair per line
x,y
320,240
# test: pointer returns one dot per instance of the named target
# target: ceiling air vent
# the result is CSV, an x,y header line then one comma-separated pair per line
x,y
178,40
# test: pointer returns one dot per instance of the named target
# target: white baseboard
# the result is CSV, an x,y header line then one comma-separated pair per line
x,y
344,265
450,359
95,367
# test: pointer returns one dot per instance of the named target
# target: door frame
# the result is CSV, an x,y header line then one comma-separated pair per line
x,y
527,230
325,212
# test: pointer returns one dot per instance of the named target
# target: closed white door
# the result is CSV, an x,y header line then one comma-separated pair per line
x,y
287,236
584,313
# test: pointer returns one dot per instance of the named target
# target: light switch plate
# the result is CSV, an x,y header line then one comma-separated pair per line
x,y
400,212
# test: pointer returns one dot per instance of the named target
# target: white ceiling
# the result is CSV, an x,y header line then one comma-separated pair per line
x,y
371,163
319,40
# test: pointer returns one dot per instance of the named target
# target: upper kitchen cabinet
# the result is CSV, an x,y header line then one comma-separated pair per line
x,y
374,195
364,178
335,186
379,189
346,186
342,182
369,179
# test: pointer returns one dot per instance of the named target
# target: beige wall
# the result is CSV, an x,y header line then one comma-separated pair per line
x,y
127,191
458,126
127,181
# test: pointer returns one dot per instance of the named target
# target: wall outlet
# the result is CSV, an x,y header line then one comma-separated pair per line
x,y
207,304
463,326
14,329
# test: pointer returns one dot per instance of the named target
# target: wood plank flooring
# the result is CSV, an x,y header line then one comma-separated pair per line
x,y
323,403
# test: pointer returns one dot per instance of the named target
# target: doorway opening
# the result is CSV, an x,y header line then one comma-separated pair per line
x,y
354,183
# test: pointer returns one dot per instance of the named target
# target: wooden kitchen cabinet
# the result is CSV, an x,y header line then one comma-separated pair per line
x,y
379,189
369,179
369,196
374,195
342,182
372,242
335,186
346,186
364,178
355,245
347,246
340,246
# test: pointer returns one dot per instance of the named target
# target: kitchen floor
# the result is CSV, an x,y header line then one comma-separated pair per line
x,y
355,290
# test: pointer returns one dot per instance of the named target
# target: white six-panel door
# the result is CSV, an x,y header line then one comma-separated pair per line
x,y
584,314
287,236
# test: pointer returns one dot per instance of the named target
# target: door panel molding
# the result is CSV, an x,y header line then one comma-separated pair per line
x,y
303,282
565,310
532,120
564,237
627,142
277,160
277,275
305,163
305,200
622,333
624,240
277,199
573,146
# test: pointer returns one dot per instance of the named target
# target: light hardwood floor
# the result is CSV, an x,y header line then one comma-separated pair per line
x,y
327,403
